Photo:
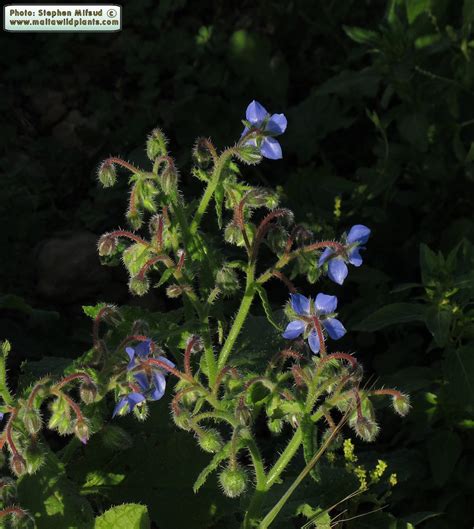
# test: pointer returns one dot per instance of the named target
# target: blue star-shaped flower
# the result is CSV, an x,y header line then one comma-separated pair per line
x,y
337,267
266,127
323,308
130,400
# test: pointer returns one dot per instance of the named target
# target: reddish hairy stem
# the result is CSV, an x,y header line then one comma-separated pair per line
x,y
323,244
175,402
163,365
128,235
70,378
135,338
282,277
34,391
358,404
187,355
263,229
159,258
75,407
123,163
392,392
341,356
132,201
159,233
220,376
12,510
8,432
319,330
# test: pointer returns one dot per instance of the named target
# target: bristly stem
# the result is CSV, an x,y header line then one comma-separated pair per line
x,y
123,163
255,506
210,189
240,317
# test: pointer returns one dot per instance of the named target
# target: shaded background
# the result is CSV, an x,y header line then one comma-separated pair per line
x,y
379,100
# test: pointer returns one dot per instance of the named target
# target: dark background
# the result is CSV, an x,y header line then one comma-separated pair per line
x,y
379,118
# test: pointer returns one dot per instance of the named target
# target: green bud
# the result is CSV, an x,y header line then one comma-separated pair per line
x,y
34,457
275,425
182,420
139,285
227,281
169,180
134,218
156,144
201,154
249,154
8,490
366,429
107,174
233,234
210,441
174,291
88,392
17,465
401,404
116,438
81,431
112,316
22,521
277,238
146,193
32,420
6,348
60,419
141,411
243,415
107,245
233,481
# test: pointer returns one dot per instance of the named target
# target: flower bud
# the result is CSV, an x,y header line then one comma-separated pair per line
x,y
18,465
146,193
233,481
227,281
88,392
201,154
22,520
243,414
107,245
210,440
275,425
141,411
81,430
277,238
112,316
60,419
169,180
34,458
366,429
116,438
32,420
401,404
8,490
156,144
107,174
139,285
181,420
134,218
249,154
174,291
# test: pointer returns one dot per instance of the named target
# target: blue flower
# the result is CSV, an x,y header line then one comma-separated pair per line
x,y
130,400
263,128
321,310
349,253
151,379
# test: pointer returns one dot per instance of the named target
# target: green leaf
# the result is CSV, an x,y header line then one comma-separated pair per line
x,y
395,313
267,308
211,467
416,7
127,516
93,310
419,517
438,321
52,499
164,278
430,264
135,256
361,35
444,449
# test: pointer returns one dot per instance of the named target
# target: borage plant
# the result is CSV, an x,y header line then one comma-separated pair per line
x,y
223,390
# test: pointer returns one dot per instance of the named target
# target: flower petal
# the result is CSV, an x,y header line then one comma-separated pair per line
x,y
325,304
299,303
271,149
255,113
120,405
143,348
293,329
277,124
159,382
131,352
358,233
313,341
337,270
334,328
142,381
354,256
134,399
325,256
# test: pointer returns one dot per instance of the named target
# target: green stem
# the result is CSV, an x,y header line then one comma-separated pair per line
x,y
4,391
270,517
285,457
210,189
240,317
255,506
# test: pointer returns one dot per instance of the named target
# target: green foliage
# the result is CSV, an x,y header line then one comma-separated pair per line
x,y
126,516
